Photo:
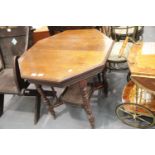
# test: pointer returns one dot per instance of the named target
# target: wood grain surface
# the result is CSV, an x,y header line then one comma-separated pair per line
x,y
65,55
141,60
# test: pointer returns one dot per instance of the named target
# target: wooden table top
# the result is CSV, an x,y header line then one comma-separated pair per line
x,y
141,62
66,55
141,59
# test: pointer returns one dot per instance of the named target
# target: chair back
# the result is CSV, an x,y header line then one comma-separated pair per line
x,y
121,52
13,42
121,32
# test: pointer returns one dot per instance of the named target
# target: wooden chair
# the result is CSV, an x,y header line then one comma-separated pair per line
x,y
121,32
124,36
118,56
13,42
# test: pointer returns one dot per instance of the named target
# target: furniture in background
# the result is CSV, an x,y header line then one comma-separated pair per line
x,y
138,96
124,36
106,30
40,33
45,31
119,54
121,32
67,59
14,40
57,29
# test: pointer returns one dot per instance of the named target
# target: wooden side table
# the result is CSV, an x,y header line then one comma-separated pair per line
x,y
65,59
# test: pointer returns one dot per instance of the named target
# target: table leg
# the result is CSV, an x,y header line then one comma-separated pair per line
x,y
86,103
46,101
58,101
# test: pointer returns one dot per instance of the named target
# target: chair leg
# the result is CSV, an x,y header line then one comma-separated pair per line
x,y
37,108
1,104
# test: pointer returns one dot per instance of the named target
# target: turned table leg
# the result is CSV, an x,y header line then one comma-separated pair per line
x,y
58,101
86,103
46,101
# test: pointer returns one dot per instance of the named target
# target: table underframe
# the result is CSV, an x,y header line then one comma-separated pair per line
x,y
83,85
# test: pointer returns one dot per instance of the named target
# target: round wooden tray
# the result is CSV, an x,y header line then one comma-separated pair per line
x,y
144,98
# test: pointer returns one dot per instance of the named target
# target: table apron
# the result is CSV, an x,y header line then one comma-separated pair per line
x,y
69,81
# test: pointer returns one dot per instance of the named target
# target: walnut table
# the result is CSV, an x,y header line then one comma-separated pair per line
x,y
65,59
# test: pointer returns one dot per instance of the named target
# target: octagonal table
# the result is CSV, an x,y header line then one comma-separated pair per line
x,y
65,59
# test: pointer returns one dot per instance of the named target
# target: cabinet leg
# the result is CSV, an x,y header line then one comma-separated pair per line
x,y
1,104
86,103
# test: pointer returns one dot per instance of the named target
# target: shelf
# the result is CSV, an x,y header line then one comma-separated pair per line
x,y
73,95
